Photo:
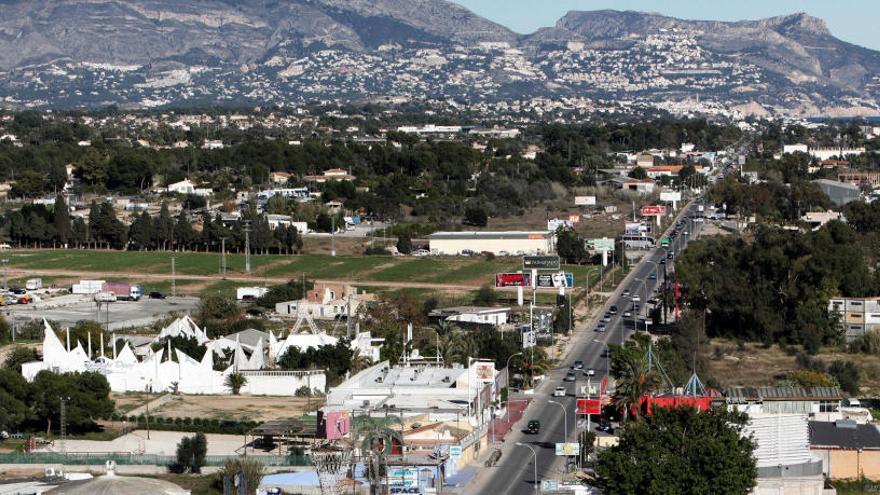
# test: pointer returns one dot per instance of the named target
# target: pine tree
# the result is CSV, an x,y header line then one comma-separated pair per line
x,y
63,232
164,227
142,232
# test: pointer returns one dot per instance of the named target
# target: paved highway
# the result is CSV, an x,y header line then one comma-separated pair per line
x,y
515,472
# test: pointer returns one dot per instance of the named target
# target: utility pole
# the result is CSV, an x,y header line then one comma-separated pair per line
x,y
5,275
223,255
64,424
247,246
173,275
333,235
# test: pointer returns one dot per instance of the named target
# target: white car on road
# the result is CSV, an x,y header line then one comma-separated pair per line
x,y
559,392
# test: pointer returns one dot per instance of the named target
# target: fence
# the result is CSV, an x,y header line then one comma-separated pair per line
x,y
95,459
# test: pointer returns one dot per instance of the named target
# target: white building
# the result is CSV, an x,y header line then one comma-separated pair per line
x,y
499,243
186,186
478,315
795,148
171,370
276,221
449,393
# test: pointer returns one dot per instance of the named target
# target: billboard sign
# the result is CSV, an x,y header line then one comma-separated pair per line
x,y
601,244
555,280
555,223
529,337
455,451
568,448
653,211
585,200
513,280
670,196
336,425
589,406
548,262
405,477
634,228
485,371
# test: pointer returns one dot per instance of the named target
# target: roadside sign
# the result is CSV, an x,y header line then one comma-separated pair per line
x,y
513,280
455,451
589,406
653,211
549,485
568,448
664,241
555,280
548,262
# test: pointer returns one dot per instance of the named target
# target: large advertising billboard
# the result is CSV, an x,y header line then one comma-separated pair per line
x,y
670,196
633,228
513,280
653,211
548,262
589,406
555,280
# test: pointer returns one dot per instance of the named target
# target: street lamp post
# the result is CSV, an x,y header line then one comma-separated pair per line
x,y
535,457
565,419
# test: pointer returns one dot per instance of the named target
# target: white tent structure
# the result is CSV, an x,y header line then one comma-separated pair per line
x,y
183,327
171,370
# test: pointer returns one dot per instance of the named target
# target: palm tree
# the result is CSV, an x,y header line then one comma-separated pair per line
x,y
458,346
377,435
633,380
535,361
235,381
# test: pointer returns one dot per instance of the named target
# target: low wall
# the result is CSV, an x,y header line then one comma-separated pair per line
x,y
283,383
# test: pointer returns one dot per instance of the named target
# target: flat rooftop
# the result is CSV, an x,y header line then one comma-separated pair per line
x,y
512,234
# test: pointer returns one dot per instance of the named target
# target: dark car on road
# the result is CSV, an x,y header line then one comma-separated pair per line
x,y
534,427
157,295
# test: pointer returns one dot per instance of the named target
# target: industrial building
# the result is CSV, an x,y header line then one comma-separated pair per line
x,y
857,315
840,193
848,450
498,243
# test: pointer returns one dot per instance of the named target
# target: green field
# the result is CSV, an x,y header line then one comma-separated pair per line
x,y
471,271
132,261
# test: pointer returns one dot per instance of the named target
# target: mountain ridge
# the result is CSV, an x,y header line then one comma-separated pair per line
x,y
788,59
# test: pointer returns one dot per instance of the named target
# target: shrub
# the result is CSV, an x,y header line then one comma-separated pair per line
x,y
303,391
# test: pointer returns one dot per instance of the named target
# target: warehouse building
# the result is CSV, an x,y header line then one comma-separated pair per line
x,y
499,243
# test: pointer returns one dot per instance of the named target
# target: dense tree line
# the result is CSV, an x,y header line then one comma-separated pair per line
x,y
434,179
38,226
36,405
775,287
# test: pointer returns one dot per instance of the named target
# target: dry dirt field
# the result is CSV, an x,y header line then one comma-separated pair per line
x,y
231,407
753,366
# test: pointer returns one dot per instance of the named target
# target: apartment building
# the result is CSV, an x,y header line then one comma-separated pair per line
x,y
857,315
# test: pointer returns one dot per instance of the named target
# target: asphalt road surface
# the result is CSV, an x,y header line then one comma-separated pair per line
x,y
515,472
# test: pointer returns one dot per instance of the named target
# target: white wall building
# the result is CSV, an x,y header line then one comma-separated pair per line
x,y
499,243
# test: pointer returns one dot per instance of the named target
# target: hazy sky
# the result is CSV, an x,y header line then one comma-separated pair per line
x,y
850,20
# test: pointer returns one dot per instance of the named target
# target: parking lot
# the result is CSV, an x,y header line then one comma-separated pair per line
x,y
67,310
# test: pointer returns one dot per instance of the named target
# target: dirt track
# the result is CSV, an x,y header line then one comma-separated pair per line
x,y
256,278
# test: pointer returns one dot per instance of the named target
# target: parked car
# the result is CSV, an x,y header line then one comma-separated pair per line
x,y
613,309
156,295
627,314
570,377
605,425
636,298
534,426
607,318
601,328
559,392
626,292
